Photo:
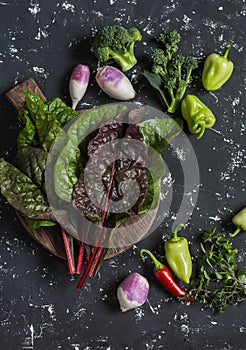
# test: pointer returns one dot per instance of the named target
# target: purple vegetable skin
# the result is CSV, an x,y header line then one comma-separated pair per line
x,y
132,292
114,83
78,83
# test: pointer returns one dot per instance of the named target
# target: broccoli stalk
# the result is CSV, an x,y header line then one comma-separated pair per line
x,y
170,74
116,44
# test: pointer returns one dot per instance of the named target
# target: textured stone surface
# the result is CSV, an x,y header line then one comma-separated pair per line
x,y
40,307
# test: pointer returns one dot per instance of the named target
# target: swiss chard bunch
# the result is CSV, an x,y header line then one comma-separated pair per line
x,y
219,282
170,73
22,183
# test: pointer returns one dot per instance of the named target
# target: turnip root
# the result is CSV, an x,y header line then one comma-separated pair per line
x,y
132,292
78,83
115,83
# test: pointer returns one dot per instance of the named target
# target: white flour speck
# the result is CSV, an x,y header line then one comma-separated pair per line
x,y
139,313
237,161
148,28
38,69
68,7
215,218
41,33
181,154
34,8
187,23
41,71
184,328
97,13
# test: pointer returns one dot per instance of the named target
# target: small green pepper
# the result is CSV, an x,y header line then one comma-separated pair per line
x,y
178,255
239,220
198,116
217,70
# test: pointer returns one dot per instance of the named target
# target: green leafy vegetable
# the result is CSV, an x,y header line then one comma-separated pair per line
x,y
153,195
63,113
159,132
219,282
27,135
23,184
20,191
32,161
171,73
43,121
66,167
36,223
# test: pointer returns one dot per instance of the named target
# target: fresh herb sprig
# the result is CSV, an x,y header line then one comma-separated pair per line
x,y
219,282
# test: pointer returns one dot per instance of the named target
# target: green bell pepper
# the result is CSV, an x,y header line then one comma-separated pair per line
x,y
239,220
217,70
178,255
198,116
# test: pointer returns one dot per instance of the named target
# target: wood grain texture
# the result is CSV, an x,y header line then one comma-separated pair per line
x,y
16,95
131,231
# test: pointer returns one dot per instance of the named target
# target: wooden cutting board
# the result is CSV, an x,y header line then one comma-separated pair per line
x,y
50,237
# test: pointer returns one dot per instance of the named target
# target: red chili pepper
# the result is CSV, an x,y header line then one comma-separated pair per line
x,y
164,276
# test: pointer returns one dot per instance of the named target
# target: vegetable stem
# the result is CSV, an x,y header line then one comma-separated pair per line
x,y
82,250
68,244
96,247
101,249
227,50
236,232
80,258
88,266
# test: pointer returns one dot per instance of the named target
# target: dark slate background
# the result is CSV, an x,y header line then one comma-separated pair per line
x,y
40,307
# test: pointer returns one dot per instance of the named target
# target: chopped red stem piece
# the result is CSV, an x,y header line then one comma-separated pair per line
x,y
70,260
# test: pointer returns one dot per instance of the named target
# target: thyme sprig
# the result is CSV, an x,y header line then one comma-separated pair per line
x,y
219,282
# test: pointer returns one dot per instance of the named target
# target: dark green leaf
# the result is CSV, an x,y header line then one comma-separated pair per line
x,y
159,132
20,191
36,223
153,195
62,112
31,161
27,135
156,82
43,121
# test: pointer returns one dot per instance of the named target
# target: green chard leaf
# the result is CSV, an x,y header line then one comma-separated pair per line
x,y
20,191
159,132
63,113
67,164
153,195
43,121
27,135
31,161
36,223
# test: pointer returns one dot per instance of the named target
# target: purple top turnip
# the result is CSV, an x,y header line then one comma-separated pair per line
x,y
114,83
133,291
78,83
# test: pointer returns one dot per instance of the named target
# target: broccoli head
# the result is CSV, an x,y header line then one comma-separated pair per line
x,y
170,41
116,44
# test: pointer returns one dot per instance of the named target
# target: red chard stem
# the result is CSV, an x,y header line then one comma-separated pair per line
x,y
68,244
